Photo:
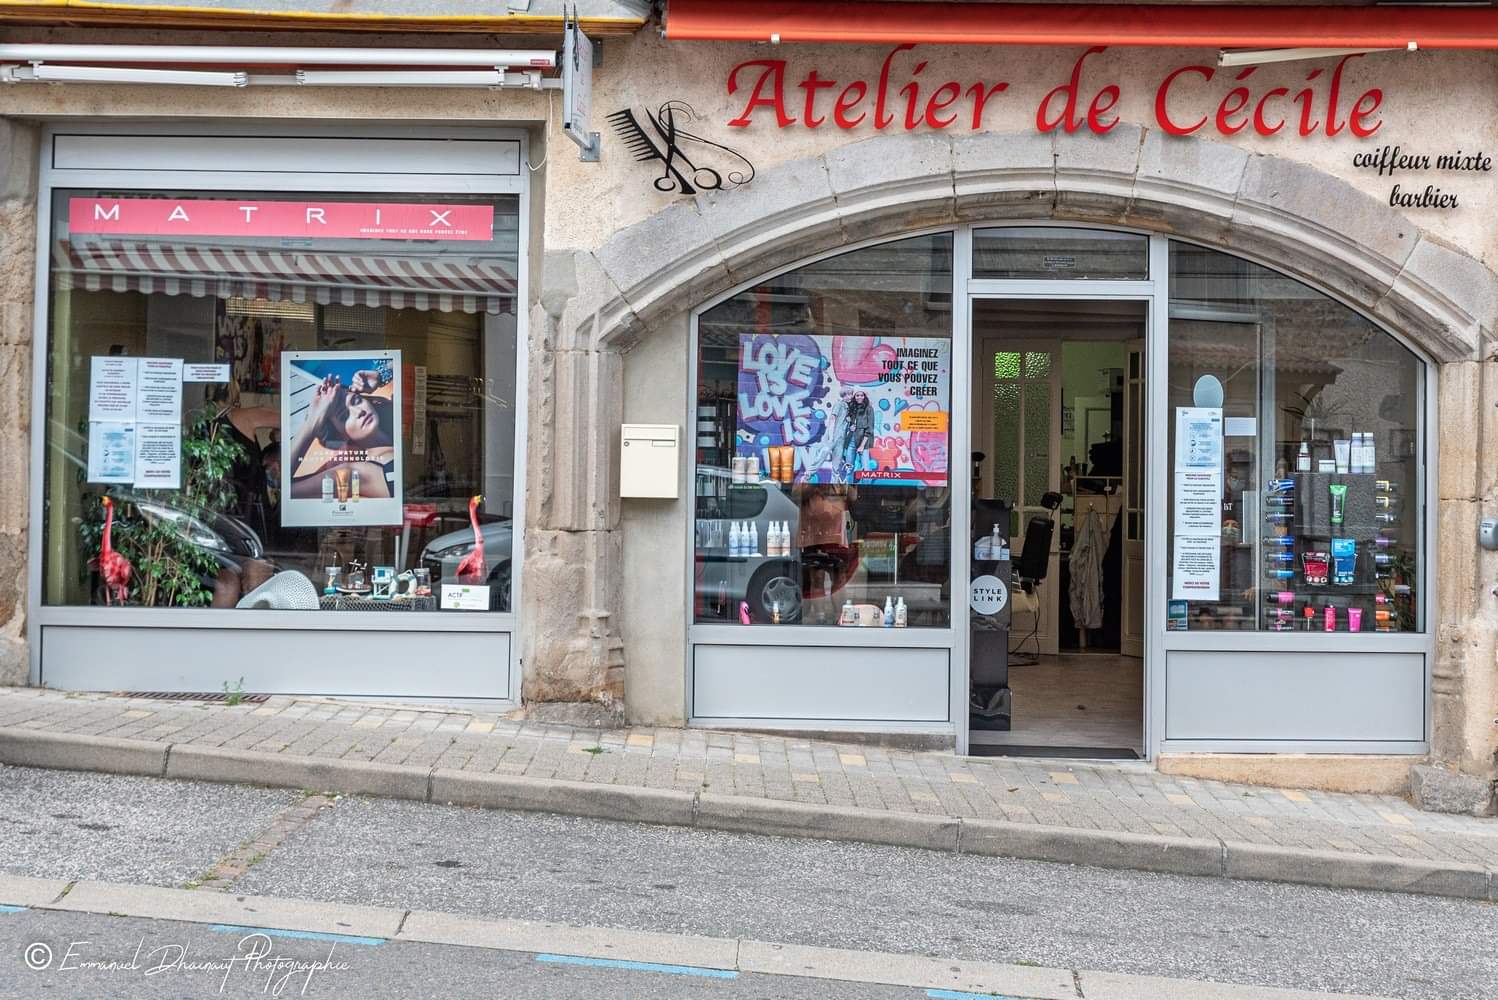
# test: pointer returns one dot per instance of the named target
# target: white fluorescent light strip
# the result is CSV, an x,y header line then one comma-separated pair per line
x,y
382,78
1258,57
254,55
120,74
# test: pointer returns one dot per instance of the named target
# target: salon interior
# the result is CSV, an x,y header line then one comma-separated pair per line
x,y
1058,420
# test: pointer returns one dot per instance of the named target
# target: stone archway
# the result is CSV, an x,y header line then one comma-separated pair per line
x,y
1311,225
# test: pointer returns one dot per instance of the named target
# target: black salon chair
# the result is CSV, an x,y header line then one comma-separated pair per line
x,y
1030,572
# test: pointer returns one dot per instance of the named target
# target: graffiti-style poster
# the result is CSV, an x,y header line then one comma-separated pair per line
x,y
852,409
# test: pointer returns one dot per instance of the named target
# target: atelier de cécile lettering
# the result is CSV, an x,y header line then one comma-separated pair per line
x,y
903,97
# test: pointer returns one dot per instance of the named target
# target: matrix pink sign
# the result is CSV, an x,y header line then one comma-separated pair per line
x,y
316,219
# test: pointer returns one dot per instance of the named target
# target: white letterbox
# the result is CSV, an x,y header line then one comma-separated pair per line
x,y
648,461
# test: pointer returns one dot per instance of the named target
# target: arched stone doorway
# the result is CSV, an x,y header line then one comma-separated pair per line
x,y
599,304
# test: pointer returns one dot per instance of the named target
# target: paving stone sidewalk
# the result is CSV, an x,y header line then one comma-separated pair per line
x,y
1130,797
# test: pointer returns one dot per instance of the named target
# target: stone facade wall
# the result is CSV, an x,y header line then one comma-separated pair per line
x,y
18,162
616,265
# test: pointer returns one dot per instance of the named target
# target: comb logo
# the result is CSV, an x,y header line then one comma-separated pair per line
x,y
688,162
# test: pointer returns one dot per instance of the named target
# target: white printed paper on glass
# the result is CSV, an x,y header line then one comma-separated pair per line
x,y
158,391
1198,503
1195,572
111,452
111,389
158,456
1198,437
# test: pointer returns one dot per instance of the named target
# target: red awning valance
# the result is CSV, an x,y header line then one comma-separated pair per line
x,y
1188,24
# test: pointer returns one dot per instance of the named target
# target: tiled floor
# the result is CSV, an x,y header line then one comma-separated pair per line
x,y
1075,700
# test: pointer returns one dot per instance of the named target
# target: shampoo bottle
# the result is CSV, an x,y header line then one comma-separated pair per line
x,y
733,539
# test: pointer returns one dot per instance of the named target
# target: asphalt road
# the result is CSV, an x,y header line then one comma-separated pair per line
x,y
124,958
587,872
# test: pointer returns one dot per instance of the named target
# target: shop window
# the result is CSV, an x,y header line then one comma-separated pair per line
x,y
297,402
823,443
1060,253
1297,455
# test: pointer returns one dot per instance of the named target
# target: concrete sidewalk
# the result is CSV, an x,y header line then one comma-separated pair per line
x,y
1107,814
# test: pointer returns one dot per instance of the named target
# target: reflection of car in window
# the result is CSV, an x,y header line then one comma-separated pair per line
x,y
443,553
230,541
762,581
860,544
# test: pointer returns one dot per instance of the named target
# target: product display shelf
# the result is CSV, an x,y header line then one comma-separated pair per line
x,y
1310,525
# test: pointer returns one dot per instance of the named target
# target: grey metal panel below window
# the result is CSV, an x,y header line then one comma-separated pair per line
x,y
283,661
1311,696
820,684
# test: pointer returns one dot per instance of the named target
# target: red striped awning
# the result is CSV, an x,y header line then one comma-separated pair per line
x,y
1219,25
446,284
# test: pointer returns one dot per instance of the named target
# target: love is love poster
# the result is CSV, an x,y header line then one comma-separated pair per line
x,y
854,409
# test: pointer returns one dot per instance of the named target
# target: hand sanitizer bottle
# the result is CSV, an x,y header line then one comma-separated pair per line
x,y
901,615
889,612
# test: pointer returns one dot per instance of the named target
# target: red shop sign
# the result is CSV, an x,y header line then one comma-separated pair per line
x,y
315,219
903,95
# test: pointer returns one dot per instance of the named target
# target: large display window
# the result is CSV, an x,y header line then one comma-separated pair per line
x,y
1296,457
823,430
289,401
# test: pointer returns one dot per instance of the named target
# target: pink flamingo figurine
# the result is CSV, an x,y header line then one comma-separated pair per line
x,y
474,568
113,566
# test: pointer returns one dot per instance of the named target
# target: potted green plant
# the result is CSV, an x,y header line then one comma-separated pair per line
x,y
154,529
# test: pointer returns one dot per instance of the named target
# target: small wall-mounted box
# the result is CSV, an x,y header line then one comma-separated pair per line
x,y
648,461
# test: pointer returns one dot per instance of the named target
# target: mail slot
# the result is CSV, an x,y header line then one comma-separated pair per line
x,y
648,461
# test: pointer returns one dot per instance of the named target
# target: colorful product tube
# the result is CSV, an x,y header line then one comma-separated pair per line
x,y
1339,501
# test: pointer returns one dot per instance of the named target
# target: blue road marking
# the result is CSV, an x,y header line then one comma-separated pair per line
x,y
302,935
12,909
959,995
614,963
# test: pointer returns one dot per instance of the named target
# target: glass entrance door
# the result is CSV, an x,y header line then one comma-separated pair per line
x,y
1058,431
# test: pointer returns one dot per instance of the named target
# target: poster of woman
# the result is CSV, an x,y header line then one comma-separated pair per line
x,y
341,421
853,409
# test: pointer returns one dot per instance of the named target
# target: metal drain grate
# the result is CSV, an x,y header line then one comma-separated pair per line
x,y
251,699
